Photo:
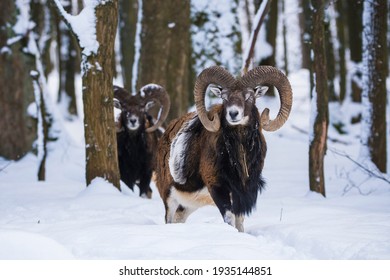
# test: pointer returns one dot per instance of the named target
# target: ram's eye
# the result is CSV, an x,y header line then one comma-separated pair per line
x,y
248,96
224,96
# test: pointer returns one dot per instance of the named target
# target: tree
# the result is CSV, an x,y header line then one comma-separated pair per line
x,y
375,71
320,117
100,18
68,64
128,16
165,52
355,30
16,91
340,21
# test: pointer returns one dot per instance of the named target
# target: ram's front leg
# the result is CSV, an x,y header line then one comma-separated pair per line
x,y
222,199
144,184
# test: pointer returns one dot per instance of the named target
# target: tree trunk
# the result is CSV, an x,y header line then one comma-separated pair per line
x,y
355,31
97,66
68,64
330,62
18,130
43,126
375,70
165,52
128,10
271,26
340,23
317,147
100,137
305,27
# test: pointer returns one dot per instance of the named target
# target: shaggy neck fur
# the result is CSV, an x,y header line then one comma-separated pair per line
x,y
239,162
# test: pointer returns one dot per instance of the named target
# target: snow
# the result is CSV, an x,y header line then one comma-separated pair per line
x,y
62,219
84,26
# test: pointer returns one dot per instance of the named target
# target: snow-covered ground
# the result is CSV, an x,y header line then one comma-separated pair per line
x,y
62,219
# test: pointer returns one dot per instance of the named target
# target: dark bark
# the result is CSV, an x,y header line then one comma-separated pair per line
x,y
43,125
99,128
100,135
317,147
68,64
165,52
128,10
355,30
342,71
330,62
17,128
305,24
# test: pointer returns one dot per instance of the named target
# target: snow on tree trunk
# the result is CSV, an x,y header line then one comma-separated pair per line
x,y
318,136
95,28
374,93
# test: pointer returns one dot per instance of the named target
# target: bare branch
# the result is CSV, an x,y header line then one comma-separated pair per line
x,y
259,19
363,167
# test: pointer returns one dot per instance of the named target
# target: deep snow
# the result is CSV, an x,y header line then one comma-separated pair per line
x,y
62,219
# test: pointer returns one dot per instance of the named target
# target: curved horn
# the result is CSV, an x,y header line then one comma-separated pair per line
x,y
156,93
268,75
212,75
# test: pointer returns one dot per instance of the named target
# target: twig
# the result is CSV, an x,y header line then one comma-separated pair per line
x,y
368,171
5,166
334,140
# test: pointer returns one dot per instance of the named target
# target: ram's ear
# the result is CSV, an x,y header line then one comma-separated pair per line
x,y
260,91
216,90
149,105
117,104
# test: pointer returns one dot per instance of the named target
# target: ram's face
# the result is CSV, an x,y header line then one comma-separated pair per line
x,y
237,103
132,115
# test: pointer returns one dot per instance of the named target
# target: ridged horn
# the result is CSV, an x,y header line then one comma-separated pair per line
x,y
268,75
212,75
156,93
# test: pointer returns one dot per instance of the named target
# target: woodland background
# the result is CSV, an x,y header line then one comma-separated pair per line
x,y
344,45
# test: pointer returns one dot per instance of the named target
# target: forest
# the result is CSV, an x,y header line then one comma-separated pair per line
x,y
326,170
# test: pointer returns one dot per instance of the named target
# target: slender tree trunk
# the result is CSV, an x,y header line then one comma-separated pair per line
x,y
271,27
43,126
317,147
128,10
165,52
285,56
340,22
330,62
17,127
375,71
355,31
68,61
305,26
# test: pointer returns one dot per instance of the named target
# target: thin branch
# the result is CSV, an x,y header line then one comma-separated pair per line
x,y
63,14
334,140
259,19
368,171
5,166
